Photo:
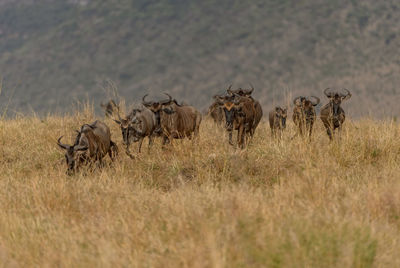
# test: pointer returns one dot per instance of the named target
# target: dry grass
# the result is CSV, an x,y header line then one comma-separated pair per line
x,y
278,204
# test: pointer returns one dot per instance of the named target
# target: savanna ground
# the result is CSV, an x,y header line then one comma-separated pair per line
x,y
276,204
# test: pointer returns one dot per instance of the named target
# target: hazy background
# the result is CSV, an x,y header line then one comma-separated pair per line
x,y
53,53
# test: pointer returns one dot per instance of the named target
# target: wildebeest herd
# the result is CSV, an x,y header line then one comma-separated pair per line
x,y
236,110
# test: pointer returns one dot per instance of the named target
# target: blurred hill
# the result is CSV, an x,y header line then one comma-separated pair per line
x,y
53,53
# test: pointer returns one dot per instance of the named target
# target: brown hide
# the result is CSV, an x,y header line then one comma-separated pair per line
x,y
183,122
216,112
277,120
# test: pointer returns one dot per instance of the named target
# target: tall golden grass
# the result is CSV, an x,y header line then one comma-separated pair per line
x,y
288,203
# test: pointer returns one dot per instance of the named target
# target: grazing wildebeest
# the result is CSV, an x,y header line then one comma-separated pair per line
x,y
332,114
110,108
174,121
139,123
277,121
304,114
92,143
239,115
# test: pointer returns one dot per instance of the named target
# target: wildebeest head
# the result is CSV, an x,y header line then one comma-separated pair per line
x,y
109,108
232,108
241,92
73,153
157,107
127,125
336,98
299,101
281,115
308,106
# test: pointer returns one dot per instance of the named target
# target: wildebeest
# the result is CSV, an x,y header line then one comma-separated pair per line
x,y
174,121
257,106
216,112
277,120
139,123
304,114
92,143
239,115
332,114
110,108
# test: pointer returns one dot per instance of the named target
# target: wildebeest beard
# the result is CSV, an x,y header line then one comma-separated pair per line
x,y
229,116
336,107
158,129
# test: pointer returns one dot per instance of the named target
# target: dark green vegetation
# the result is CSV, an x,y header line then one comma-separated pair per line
x,y
54,52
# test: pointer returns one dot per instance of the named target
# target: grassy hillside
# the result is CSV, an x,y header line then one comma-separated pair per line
x,y
276,204
53,53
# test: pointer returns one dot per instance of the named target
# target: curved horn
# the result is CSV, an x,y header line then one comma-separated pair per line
x,y
144,102
317,101
217,97
347,96
167,101
250,90
237,99
328,94
63,146
229,90
295,100
176,102
119,116
81,148
347,92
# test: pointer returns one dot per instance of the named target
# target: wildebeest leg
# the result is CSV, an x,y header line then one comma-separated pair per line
x,y
150,142
140,144
310,130
329,130
340,131
301,128
100,163
128,152
165,140
113,152
230,138
240,137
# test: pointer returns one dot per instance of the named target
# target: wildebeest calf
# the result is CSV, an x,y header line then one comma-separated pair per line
x,y
277,121
304,114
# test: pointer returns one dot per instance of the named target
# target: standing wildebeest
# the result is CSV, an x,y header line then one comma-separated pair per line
x,y
239,115
140,123
216,112
257,106
92,143
277,121
304,114
332,115
174,121
109,108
